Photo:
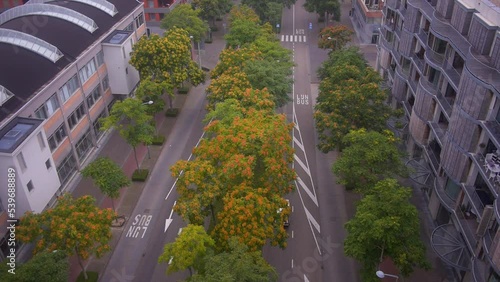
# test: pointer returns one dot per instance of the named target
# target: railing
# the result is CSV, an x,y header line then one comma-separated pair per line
x,y
446,200
434,57
477,204
419,62
407,107
413,85
443,101
477,270
434,160
478,160
452,74
438,131
422,36
488,247
464,223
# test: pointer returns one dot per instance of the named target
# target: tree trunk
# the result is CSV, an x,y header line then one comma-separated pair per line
x,y
113,203
326,19
190,271
170,102
81,264
213,213
135,155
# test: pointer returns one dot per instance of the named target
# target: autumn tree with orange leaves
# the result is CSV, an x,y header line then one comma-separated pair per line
x,y
74,226
334,37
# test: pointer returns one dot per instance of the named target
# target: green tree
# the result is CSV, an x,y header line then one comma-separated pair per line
x,y
211,9
368,157
274,76
386,225
349,98
44,266
350,56
271,50
324,8
236,58
188,250
263,7
185,17
108,176
152,90
242,32
129,117
236,264
167,59
334,37
230,85
73,226
243,12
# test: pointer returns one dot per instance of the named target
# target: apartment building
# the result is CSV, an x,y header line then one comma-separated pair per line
x,y
62,65
441,59
156,9
366,17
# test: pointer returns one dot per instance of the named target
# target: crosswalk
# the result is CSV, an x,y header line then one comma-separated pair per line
x,y
293,38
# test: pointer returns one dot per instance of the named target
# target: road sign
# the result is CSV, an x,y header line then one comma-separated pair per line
x,y
310,26
277,25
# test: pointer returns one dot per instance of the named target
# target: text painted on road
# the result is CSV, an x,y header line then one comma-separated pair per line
x,y
302,100
139,226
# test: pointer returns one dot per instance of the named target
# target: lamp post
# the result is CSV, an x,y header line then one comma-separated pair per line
x,y
199,55
150,102
380,274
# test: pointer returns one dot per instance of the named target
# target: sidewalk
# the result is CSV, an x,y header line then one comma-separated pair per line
x,y
119,151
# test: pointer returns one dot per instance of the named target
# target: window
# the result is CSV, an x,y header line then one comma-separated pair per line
x,y
139,20
48,108
48,164
57,137
66,168
40,140
105,83
84,145
69,88
21,161
30,186
100,58
93,96
76,116
152,17
130,27
97,125
87,71
151,3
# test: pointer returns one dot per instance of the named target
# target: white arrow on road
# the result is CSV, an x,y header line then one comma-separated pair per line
x,y
169,219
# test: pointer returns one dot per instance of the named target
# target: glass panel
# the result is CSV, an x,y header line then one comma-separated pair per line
x,y
452,189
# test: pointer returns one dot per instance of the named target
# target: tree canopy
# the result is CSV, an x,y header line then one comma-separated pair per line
x,y
153,90
44,266
331,7
334,37
385,225
211,9
185,17
368,157
73,226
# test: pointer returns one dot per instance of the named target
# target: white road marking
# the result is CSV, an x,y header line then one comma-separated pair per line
x,y
180,231
292,234
295,38
286,38
292,263
282,37
305,278
300,38
312,220
305,155
309,221
308,191
296,141
304,167
168,221
170,260
304,39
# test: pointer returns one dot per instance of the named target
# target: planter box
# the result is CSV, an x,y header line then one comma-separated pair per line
x,y
172,112
140,175
158,140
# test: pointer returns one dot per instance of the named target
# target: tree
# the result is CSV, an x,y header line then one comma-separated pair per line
x,y
188,249
108,176
334,37
349,56
44,266
274,76
229,85
368,157
152,90
185,17
271,50
167,59
242,32
262,7
349,98
324,8
251,215
236,58
211,9
129,117
385,225
243,12
73,226
236,264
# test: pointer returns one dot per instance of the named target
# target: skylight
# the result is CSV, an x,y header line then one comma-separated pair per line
x,y
31,43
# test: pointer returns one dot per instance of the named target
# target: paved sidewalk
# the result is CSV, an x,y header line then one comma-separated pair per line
x,y
120,152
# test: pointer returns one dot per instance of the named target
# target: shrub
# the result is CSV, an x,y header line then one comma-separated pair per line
x,y
140,175
158,140
183,89
172,112
93,276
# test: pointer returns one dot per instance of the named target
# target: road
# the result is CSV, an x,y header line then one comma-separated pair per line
x,y
316,231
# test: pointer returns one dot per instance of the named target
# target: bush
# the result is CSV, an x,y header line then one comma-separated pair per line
x,y
214,28
140,175
321,19
183,89
172,112
158,140
93,276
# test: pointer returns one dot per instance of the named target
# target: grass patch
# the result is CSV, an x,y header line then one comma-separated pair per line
x,y
93,276
172,112
140,175
158,140
184,89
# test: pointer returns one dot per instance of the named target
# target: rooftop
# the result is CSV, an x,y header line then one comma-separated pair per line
x,y
24,71
15,132
117,37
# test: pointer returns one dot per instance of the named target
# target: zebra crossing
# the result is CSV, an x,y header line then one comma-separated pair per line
x,y
293,38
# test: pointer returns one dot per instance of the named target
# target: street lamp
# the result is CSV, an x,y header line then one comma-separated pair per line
x,y
380,274
148,103
199,56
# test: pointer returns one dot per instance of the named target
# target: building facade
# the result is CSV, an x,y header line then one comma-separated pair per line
x,y
366,17
64,63
441,59
4,4
156,9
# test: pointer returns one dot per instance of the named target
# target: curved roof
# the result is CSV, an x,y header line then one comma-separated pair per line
x,y
24,72
32,43
102,5
51,11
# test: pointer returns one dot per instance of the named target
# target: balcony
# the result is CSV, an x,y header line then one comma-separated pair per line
x,y
478,160
478,198
419,62
444,103
434,57
488,248
467,224
433,159
439,130
422,36
413,85
493,129
445,200
451,73
408,108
